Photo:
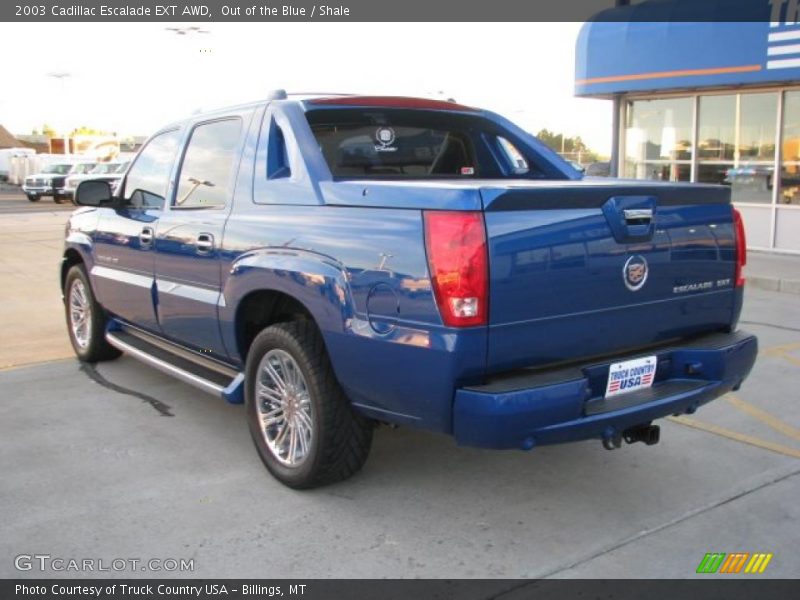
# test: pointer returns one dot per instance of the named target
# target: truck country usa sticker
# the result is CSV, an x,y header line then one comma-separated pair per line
x,y
631,375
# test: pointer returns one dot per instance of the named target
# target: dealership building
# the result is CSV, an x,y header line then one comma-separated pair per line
x,y
715,102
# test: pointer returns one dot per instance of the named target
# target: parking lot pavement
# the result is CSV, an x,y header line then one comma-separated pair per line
x,y
163,471
12,200
167,472
32,319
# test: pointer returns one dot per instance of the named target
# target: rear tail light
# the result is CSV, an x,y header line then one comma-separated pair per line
x,y
741,246
459,266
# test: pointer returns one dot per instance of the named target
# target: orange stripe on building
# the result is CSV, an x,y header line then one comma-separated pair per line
x,y
663,74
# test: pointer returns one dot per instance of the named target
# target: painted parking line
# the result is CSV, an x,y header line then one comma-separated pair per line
x,y
780,349
783,351
792,359
736,436
760,414
34,363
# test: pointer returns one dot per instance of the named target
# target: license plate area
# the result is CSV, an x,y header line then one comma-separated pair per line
x,y
631,375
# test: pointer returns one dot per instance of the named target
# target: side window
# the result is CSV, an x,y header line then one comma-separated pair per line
x,y
207,170
148,178
515,162
277,154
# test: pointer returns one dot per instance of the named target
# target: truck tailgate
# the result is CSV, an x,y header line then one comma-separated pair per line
x,y
589,268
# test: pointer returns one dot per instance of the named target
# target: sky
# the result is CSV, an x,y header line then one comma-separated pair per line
x,y
132,78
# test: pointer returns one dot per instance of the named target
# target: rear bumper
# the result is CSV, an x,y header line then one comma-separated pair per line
x,y
529,408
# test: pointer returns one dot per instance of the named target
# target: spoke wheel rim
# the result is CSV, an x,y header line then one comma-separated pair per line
x,y
80,314
283,403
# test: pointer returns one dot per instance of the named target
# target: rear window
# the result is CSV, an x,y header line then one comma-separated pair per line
x,y
401,143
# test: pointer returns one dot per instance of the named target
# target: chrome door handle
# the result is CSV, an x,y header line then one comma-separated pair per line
x,y
146,236
638,214
204,243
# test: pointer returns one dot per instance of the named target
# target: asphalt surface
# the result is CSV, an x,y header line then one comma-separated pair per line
x,y
118,461
12,202
32,318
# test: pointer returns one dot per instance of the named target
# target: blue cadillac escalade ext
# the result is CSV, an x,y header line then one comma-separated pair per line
x,y
336,262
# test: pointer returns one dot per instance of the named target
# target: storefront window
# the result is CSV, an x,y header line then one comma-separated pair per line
x,y
658,141
714,173
790,150
758,114
672,171
736,144
716,140
752,179
716,135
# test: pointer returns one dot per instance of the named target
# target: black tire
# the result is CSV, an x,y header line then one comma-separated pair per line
x,y
33,197
94,348
340,437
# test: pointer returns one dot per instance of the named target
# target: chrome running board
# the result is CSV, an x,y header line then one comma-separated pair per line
x,y
226,386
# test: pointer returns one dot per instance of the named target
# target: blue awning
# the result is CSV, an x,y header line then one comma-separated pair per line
x,y
653,47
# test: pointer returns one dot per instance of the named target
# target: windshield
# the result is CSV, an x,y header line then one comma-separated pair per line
x,y
403,143
104,168
57,169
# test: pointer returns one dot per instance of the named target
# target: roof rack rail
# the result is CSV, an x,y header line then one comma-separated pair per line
x,y
281,94
344,94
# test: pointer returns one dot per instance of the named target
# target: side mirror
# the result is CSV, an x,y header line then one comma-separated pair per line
x,y
93,192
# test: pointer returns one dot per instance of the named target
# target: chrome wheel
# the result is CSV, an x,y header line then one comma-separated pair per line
x,y
284,408
80,313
